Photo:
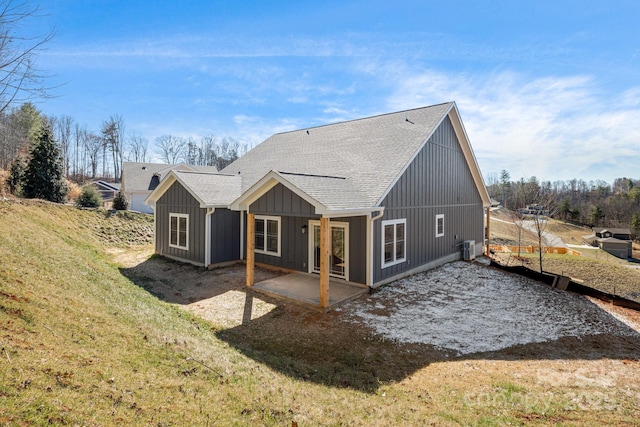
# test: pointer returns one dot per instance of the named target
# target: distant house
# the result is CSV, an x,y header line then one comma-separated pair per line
x,y
534,210
367,201
616,241
107,190
140,179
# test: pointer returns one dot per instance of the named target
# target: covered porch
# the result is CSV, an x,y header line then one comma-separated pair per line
x,y
304,288
320,290
306,223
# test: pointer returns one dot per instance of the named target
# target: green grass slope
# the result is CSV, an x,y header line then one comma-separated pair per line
x,y
82,345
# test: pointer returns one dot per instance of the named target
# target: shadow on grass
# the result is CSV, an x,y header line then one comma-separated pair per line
x,y
323,348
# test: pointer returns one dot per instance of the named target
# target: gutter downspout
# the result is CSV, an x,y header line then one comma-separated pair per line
x,y
370,263
242,215
207,240
488,232
155,227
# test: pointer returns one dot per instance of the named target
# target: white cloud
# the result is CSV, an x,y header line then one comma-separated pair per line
x,y
550,127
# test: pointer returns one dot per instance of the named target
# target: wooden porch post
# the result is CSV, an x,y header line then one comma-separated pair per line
x,y
251,244
325,248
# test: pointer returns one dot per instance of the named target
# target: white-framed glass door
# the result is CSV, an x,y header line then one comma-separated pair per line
x,y
339,252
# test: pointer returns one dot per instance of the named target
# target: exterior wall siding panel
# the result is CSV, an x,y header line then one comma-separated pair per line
x,y
296,212
294,253
282,201
438,181
225,236
178,200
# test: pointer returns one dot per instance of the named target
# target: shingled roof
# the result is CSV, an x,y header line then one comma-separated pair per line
x,y
210,189
352,164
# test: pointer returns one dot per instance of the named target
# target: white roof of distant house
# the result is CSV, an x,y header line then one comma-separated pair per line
x,y
139,177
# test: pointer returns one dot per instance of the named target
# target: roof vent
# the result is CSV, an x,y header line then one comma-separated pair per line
x,y
144,168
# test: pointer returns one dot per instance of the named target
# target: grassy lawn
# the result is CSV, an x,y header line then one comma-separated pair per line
x,y
82,344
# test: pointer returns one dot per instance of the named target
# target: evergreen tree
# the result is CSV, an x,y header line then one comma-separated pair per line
x,y
565,209
16,176
120,202
505,187
635,225
44,177
596,215
89,198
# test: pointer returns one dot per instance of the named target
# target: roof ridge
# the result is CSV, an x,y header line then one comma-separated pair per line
x,y
307,129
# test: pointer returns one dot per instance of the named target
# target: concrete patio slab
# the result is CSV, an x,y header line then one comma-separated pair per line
x,y
305,288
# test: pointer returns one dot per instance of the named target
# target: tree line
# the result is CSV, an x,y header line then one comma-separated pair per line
x,y
592,204
87,154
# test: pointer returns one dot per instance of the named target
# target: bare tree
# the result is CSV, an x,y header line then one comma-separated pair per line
x,y
540,218
113,139
79,144
20,79
63,126
137,147
92,146
171,149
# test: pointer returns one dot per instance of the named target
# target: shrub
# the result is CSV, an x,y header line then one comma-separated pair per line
x,y
89,198
4,186
74,191
16,176
120,202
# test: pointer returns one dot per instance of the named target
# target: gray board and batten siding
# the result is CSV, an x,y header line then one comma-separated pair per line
x,y
177,199
294,213
438,181
225,236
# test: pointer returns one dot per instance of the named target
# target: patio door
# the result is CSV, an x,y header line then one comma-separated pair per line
x,y
339,251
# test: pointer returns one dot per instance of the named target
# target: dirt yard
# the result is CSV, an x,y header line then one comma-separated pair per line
x,y
462,314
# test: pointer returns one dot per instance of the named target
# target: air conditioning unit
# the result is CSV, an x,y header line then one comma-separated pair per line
x,y
469,250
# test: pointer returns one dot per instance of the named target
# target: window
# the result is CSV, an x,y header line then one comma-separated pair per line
x,y
267,231
394,244
179,231
440,225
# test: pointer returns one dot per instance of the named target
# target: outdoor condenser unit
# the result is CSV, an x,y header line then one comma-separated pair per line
x,y
469,250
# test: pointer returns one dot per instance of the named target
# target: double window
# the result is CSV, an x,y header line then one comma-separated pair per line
x,y
394,245
267,235
179,231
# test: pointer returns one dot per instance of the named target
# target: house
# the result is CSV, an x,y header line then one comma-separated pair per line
x,y
616,233
107,190
366,201
534,210
616,241
140,179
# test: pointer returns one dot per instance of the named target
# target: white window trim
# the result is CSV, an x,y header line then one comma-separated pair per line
x,y
344,225
178,246
438,217
399,260
272,218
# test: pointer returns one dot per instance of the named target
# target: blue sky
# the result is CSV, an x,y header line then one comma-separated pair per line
x,y
545,88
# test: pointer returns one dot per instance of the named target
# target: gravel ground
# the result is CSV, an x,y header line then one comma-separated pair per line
x,y
469,308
